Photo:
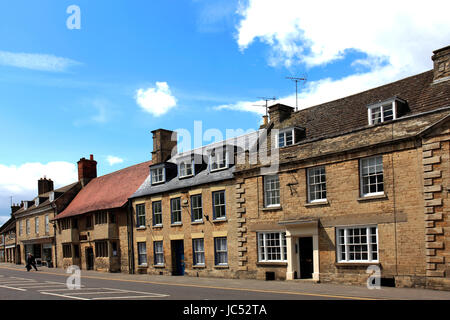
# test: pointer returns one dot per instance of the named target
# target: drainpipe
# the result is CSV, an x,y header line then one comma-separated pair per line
x,y
54,235
130,235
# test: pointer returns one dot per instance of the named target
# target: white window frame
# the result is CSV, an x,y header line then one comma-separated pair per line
x,y
36,225
369,243
266,180
263,247
361,178
320,183
219,205
159,214
51,197
162,175
284,133
198,251
218,241
213,160
27,226
139,215
197,207
20,227
183,173
47,226
142,253
382,107
158,253
177,211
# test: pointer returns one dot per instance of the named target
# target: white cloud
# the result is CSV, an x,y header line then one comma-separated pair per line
x,y
397,37
317,32
158,100
112,160
36,61
20,182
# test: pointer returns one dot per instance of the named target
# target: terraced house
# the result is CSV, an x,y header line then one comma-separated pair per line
x,y
93,230
34,230
184,213
8,243
361,181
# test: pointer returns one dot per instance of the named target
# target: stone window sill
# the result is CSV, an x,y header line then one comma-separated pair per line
x,y
222,267
158,226
356,264
162,266
141,228
272,264
317,203
219,220
197,222
176,224
274,208
374,197
199,267
142,266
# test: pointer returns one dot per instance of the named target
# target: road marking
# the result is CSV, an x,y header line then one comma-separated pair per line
x,y
62,295
131,297
12,288
44,285
16,282
214,287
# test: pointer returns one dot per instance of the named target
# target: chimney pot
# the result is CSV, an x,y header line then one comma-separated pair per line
x,y
441,63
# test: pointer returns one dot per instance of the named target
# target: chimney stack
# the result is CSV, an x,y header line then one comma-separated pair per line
x,y
441,62
164,143
14,208
87,170
44,185
280,112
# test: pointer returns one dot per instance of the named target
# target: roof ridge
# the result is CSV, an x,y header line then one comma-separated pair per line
x,y
362,92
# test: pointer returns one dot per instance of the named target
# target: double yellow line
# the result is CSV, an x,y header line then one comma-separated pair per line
x,y
211,287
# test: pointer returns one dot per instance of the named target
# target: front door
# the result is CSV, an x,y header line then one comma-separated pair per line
x,y
89,258
306,257
178,257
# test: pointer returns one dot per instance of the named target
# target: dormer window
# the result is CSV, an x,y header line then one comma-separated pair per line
x,y
158,175
290,136
25,205
386,110
218,159
36,202
186,168
51,196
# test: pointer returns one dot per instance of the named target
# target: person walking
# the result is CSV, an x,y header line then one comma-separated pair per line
x,y
31,262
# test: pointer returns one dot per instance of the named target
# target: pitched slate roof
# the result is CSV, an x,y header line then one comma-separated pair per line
x,y
241,143
349,113
32,207
108,191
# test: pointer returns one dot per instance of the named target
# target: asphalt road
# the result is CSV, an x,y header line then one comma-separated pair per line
x,y
50,284
17,284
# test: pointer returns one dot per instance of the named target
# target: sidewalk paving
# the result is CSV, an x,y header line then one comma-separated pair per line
x,y
294,286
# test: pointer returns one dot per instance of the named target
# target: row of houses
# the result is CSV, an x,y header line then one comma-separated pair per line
x,y
321,193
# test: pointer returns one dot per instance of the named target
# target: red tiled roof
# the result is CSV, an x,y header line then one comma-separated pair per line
x,y
108,191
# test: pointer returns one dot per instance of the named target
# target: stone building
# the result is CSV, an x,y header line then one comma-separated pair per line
x,y
361,181
8,239
184,213
92,232
34,229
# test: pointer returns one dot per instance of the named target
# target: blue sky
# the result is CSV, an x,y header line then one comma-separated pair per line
x,y
135,66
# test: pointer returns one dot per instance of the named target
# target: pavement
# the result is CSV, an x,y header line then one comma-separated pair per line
x,y
50,284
